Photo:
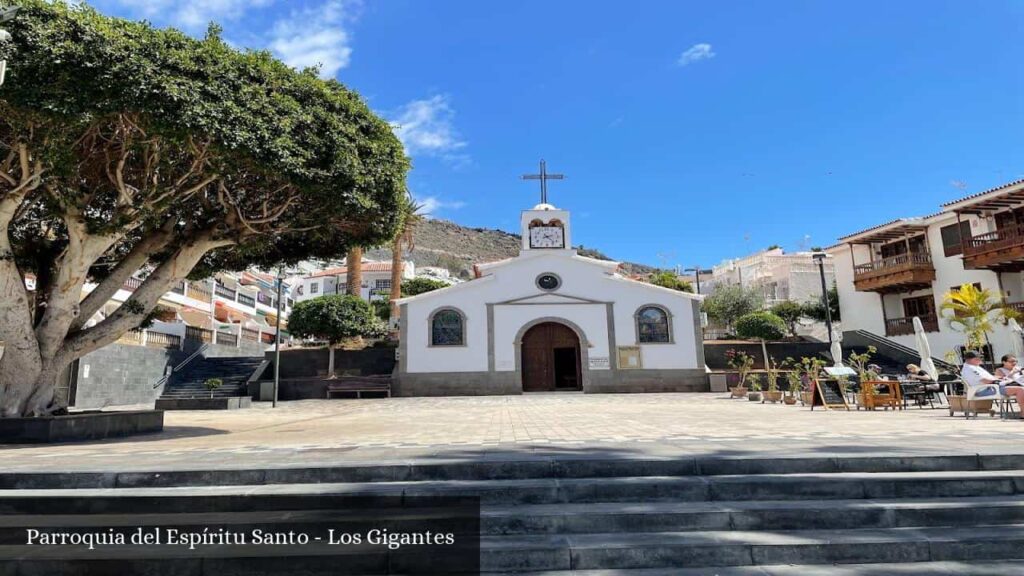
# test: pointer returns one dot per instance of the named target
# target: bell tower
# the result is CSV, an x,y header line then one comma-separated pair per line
x,y
545,227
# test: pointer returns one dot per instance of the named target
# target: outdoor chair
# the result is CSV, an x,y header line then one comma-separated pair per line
x,y
971,393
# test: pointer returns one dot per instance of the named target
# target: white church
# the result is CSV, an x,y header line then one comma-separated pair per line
x,y
549,320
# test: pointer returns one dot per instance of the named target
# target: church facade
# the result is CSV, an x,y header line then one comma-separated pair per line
x,y
549,320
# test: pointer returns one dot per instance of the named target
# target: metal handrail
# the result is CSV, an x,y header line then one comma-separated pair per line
x,y
181,365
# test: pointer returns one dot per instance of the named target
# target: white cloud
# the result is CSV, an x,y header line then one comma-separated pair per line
x,y
432,205
192,15
316,36
696,53
426,127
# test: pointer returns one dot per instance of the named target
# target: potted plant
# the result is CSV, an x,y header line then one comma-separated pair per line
x,y
810,370
793,384
755,390
212,384
743,363
773,394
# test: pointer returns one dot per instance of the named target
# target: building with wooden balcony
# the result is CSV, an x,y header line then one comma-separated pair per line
x,y
890,273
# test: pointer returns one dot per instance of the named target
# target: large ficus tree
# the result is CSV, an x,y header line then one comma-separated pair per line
x,y
125,149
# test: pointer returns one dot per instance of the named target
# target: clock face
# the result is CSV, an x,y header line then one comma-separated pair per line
x,y
547,237
548,282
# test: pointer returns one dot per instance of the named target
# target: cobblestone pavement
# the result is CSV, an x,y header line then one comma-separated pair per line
x,y
322,432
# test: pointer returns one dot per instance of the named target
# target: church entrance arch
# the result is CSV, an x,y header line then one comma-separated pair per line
x,y
550,356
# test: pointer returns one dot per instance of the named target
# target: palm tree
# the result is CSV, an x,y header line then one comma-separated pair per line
x,y
973,311
354,271
412,215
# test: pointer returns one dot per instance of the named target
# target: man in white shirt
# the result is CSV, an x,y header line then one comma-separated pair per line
x,y
974,375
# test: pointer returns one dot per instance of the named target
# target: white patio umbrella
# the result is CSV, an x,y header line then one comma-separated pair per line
x,y
837,350
1018,338
925,350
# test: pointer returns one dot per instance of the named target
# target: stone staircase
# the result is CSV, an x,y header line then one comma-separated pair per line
x,y
234,371
959,514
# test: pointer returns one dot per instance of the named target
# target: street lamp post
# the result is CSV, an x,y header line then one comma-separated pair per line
x,y
819,258
277,337
696,273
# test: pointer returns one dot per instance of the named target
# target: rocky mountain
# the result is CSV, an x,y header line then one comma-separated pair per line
x,y
448,245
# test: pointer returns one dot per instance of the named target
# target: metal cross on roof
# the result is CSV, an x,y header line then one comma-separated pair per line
x,y
543,177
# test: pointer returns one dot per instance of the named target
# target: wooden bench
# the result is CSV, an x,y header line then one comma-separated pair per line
x,y
359,385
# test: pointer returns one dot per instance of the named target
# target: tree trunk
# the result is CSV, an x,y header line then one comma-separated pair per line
x,y
354,274
330,360
396,276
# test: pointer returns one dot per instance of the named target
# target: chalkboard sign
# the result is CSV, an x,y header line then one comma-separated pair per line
x,y
827,393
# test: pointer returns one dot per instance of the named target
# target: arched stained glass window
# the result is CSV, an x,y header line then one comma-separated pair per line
x,y
652,325
447,328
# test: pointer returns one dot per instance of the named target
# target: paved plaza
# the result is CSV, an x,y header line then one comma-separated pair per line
x,y
325,432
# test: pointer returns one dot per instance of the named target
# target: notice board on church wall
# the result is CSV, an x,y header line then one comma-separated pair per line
x,y
629,358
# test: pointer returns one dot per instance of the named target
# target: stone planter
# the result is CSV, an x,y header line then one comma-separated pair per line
x,y
754,396
95,425
773,396
789,400
959,404
739,391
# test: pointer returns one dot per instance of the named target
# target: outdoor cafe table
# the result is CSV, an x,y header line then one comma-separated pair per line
x,y
880,393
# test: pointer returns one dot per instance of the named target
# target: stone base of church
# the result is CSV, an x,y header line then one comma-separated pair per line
x,y
457,384
504,383
649,380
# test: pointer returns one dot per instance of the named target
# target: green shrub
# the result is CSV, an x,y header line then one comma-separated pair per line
x,y
760,326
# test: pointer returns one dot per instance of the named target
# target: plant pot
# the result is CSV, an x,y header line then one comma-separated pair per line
x,y
739,391
959,403
773,396
790,400
805,397
754,396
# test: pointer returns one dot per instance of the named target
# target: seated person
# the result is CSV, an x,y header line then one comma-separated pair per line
x,y
1011,373
974,376
921,377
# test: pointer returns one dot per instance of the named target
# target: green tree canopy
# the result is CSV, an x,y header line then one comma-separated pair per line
x,y
414,286
728,303
790,312
760,326
335,318
671,280
126,149
815,309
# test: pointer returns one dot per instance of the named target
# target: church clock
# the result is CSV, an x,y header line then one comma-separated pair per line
x,y
547,237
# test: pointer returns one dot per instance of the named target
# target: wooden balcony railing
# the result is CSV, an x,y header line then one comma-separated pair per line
x,y
132,284
892,264
250,335
900,273
1009,237
149,339
904,326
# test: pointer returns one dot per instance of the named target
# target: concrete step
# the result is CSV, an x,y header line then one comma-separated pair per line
x,y
578,518
854,486
518,468
745,515
948,568
743,548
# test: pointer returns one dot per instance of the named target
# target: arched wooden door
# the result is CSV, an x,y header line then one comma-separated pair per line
x,y
551,358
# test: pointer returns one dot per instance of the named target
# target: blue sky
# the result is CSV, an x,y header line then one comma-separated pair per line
x,y
689,131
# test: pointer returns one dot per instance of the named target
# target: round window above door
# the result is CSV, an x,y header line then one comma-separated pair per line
x,y
548,281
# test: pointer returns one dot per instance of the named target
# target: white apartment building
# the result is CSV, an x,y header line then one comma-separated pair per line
x,y
890,273
376,281
778,275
